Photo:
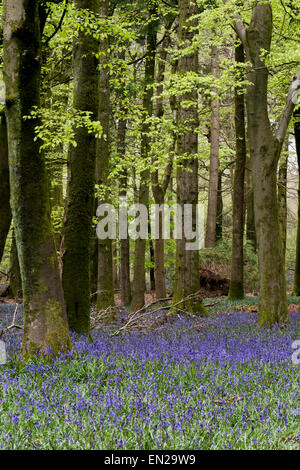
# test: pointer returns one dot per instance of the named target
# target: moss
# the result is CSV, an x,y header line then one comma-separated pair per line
x,y
194,305
57,335
236,290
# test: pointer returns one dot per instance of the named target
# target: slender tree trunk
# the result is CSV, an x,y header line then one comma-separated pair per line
x,y
138,285
152,260
124,243
159,188
187,261
250,224
265,152
45,321
282,196
105,284
296,286
80,203
236,290
219,221
5,211
210,239
15,281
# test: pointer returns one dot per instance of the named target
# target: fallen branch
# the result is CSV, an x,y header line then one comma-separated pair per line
x,y
136,317
13,325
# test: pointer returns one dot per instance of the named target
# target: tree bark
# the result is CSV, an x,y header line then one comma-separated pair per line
x,y
45,321
219,221
124,243
5,211
159,188
77,230
105,285
187,261
236,289
138,285
15,281
296,286
210,239
265,151
250,221
282,196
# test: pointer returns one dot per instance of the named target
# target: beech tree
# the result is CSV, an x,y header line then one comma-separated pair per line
x,y
105,285
187,261
236,290
77,233
45,321
265,149
138,284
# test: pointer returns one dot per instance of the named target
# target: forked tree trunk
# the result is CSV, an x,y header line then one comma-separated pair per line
x,y
5,211
77,230
105,284
236,290
265,151
187,261
45,321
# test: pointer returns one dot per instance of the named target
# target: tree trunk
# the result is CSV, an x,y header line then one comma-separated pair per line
x,y
138,285
210,239
296,286
159,188
187,261
250,224
152,260
105,285
80,203
265,152
219,221
124,243
45,321
282,196
236,289
5,211
15,281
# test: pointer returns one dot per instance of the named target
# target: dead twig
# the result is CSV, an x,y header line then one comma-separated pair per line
x,y
13,325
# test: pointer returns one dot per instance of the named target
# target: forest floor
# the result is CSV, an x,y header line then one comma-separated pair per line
x,y
215,383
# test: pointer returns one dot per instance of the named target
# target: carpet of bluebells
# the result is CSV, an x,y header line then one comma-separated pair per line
x,y
226,385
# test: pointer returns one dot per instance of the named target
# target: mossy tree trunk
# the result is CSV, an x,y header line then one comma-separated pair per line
x,y
138,284
236,289
5,211
105,283
187,261
77,231
296,286
265,150
45,321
